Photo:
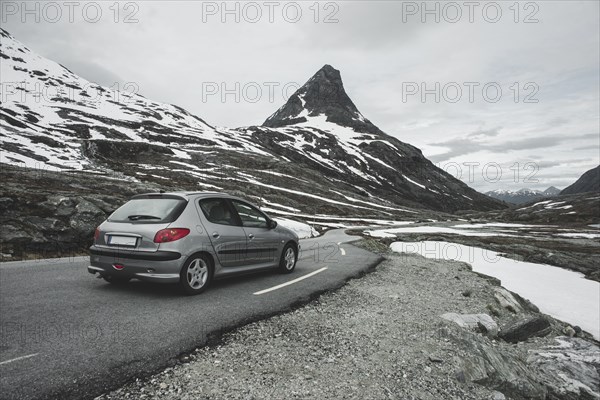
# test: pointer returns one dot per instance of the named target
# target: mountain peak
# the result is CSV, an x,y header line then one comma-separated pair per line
x,y
322,95
552,190
330,71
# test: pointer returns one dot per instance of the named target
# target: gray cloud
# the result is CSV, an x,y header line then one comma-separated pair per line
x,y
481,133
473,143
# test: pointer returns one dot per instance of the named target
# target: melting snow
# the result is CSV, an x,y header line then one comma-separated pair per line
x,y
181,154
561,293
301,229
413,182
580,235
429,229
499,225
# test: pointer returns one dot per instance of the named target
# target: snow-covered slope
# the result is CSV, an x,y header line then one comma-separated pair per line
x,y
47,111
317,155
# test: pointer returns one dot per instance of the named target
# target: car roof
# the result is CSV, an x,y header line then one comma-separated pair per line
x,y
187,194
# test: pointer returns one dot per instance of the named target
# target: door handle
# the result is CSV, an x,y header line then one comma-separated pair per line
x,y
251,236
216,235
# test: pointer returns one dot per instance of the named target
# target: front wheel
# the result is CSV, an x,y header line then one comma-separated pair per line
x,y
196,274
287,263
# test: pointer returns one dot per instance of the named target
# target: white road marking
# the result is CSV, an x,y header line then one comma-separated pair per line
x,y
290,282
19,358
342,251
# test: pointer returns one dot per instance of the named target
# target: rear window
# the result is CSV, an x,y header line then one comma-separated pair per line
x,y
149,210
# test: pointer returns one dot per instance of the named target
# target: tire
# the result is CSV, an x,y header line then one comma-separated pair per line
x,y
196,274
289,256
116,280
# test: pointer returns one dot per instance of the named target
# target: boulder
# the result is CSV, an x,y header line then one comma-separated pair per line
x,y
507,300
569,331
14,233
495,368
498,396
478,322
569,369
525,329
60,206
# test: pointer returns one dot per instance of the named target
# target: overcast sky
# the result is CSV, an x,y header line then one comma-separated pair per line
x,y
543,55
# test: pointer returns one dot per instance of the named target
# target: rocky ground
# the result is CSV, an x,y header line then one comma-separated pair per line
x,y
383,337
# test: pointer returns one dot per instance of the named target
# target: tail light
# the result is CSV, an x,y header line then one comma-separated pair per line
x,y
170,234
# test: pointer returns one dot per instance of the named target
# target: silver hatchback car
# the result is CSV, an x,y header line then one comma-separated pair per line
x,y
189,238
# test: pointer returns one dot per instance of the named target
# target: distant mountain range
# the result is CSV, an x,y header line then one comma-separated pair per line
x,y
588,182
523,195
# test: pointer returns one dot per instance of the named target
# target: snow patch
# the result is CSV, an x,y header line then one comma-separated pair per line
x,y
301,229
579,300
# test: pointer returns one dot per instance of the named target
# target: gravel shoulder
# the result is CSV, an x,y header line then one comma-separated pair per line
x,y
378,337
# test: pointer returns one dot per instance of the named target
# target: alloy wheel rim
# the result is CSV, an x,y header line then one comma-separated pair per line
x,y
289,258
197,273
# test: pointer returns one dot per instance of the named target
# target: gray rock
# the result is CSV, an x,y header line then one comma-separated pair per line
x,y
507,300
13,234
498,396
570,369
493,310
489,366
478,322
567,330
60,206
525,329
87,217
87,208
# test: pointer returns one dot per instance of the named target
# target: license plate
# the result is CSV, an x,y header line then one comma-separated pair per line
x,y
122,240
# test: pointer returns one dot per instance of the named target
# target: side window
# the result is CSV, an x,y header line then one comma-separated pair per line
x,y
217,211
250,216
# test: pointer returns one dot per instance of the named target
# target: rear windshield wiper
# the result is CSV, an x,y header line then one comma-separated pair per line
x,y
138,217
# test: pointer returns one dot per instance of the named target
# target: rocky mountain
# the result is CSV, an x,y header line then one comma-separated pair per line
x,y
552,191
588,182
322,95
317,158
321,127
522,195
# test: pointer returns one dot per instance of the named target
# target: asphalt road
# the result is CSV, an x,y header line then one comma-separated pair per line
x,y
65,334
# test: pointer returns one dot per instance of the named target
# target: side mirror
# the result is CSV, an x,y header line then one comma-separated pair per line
x,y
272,224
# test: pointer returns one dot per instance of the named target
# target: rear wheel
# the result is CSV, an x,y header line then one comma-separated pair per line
x,y
196,274
287,262
116,280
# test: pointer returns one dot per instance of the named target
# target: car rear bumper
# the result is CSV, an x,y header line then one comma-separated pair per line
x,y
143,276
135,255
160,266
